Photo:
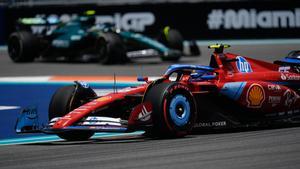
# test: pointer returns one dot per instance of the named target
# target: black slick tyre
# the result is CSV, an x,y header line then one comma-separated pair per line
x,y
173,110
22,46
64,100
172,38
111,49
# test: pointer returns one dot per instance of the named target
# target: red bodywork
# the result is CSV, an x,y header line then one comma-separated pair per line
x,y
251,85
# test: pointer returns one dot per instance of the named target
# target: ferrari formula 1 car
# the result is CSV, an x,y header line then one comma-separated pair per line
x,y
233,91
81,40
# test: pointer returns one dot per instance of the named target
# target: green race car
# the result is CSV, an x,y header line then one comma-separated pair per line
x,y
81,39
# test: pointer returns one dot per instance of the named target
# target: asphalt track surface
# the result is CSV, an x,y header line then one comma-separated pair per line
x,y
269,148
153,66
274,149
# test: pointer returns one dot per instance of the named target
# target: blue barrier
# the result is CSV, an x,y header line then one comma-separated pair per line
x,y
15,96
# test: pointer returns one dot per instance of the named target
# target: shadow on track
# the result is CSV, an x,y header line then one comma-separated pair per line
x,y
142,138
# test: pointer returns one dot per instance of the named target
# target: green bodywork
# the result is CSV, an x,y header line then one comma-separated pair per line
x,y
75,34
151,43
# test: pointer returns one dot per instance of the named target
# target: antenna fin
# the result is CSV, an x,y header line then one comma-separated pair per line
x,y
115,84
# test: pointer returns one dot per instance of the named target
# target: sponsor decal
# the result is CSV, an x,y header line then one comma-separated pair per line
x,y
285,76
242,65
290,98
141,114
103,119
293,77
144,115
274,100
84,84
255,96
211,124
175,87
285,69
107,128
101,123
272,87
253,19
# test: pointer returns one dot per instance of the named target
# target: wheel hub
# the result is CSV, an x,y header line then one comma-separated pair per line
x,y
179,110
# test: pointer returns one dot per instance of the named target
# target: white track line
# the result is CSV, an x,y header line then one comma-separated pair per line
x,y
25,79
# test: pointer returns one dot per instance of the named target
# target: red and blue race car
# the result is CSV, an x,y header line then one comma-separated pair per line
x,y
233,91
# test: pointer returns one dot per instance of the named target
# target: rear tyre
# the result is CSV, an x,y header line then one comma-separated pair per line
x,y
173,110
22,46
172,38
66,99
111,49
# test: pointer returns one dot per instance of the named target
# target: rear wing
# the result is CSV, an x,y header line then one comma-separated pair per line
x,y
38,21
37,25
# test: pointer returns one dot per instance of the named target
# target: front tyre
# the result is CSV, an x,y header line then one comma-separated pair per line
x,y
66,99
111,49
173,109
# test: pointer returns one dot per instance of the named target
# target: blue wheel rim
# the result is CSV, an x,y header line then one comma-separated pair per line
x,y
180,110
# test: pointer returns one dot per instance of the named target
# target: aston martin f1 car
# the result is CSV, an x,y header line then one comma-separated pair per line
x,y
233,91
81,39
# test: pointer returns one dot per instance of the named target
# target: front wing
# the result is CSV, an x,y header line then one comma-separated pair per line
x,y
28,122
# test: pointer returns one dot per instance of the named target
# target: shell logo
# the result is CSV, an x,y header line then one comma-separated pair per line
x,y
255,96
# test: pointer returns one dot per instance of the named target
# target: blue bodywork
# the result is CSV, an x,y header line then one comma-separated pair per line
x,y
290,60
293,58
197,72
233,90
182,67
